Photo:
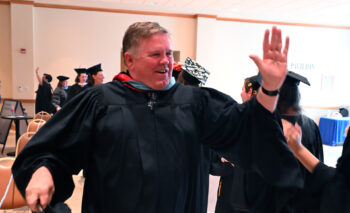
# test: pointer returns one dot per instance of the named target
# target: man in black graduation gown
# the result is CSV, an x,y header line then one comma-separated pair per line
x,y
139,136
231,194
44,93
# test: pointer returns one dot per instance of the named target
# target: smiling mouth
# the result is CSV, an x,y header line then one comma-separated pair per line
x,y
161,71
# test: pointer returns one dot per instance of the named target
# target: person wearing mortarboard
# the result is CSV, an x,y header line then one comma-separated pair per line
x,y
192,73
327,189
59,96
290,110
44,93
96,75
257,195
231,195
80,83
250,87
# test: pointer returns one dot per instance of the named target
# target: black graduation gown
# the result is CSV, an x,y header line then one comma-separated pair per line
x,y
311,139
43,98
142,150
329,189
245,190
75,90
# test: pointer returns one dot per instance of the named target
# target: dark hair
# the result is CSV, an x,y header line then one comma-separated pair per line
x,y
289,98
77,78
91,80
48,77
59,85
186,79
140,30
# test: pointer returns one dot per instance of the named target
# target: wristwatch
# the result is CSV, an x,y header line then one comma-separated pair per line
x,y
270,93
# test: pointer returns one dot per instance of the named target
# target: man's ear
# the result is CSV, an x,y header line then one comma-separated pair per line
x,y
129,60
250,93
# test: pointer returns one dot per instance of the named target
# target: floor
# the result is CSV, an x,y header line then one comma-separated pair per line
x,y
331,155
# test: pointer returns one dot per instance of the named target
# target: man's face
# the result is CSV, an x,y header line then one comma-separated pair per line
x,y
98,78
245,95
152,62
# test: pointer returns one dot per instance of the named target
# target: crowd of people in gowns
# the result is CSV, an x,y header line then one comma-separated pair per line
x,y
51,101
148,144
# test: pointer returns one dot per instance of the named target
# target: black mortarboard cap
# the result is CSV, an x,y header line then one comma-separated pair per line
x,y
80,70
196,70
255,81
190,78
295,78
48,77
94,69
62,78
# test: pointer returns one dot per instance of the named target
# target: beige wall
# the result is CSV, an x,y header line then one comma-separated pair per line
x,y
66,39
5,52
22,62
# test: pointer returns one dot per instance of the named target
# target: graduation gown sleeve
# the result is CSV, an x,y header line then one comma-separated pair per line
x,y
336,190
66,138
250,136
330,187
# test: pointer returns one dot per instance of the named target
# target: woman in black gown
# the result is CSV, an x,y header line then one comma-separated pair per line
x,y
80,83
329,189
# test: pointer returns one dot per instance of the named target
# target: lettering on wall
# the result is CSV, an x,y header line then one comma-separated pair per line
x,y
301,66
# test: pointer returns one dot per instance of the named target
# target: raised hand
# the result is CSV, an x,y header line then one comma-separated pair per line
x,y
273,65
293,135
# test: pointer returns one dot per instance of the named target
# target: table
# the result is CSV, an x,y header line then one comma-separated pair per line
x,y
16,119
333,130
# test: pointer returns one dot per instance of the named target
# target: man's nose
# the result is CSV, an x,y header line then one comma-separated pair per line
x,y
164,59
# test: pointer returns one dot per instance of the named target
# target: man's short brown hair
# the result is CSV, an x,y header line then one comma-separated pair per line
x,y
139,30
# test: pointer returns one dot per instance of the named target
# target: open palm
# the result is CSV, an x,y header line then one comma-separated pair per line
x,y
273,66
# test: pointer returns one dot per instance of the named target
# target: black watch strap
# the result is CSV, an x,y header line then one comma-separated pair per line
x,y
270,93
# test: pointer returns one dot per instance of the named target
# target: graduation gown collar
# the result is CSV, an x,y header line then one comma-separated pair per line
x,y
127,80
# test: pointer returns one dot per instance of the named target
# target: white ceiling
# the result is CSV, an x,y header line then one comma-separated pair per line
x,y
324,12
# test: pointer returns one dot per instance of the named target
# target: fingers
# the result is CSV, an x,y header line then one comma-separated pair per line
x,y
298,129
39,198
40,189
223,160
266,43
286,47
275,43
256,60
274,38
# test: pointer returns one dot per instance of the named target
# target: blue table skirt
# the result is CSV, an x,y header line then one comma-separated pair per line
x,y
333,130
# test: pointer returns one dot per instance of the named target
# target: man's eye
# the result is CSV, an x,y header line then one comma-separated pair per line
x,y
169,53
